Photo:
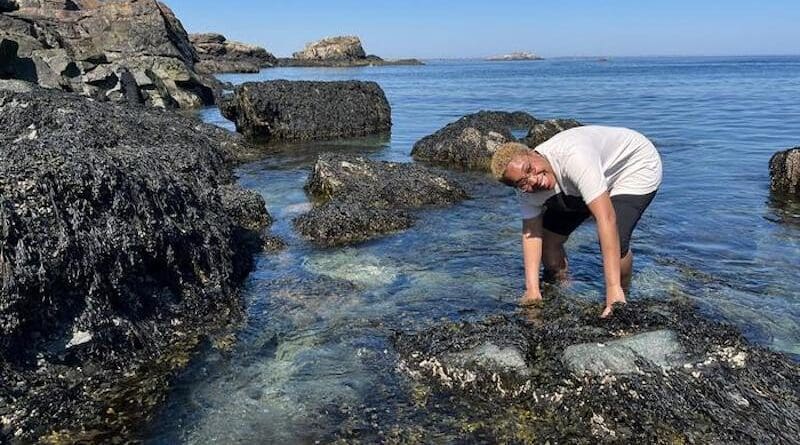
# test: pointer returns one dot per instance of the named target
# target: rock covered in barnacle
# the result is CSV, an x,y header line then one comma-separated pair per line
x,y
122,240
359,199
658,372
471,141
283,110
784,169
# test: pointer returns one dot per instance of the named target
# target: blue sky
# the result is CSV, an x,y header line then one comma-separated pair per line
x,y
468,28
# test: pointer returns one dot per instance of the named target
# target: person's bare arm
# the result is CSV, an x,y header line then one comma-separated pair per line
x,y
532,256
606,218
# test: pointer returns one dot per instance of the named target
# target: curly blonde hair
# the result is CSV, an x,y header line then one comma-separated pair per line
x,y
505,154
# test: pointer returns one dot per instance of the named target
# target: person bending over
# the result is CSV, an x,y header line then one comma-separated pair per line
x,y
610,173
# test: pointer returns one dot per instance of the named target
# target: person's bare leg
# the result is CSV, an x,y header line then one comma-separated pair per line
x,y
554,257
626,270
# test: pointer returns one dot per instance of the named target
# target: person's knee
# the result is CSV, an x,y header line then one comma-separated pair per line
x,y
553,258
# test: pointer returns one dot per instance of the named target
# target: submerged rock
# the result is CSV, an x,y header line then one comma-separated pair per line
x,y
471,141
119,50
283,110
677,377
122,241
784,169
359,198
341,51
660,348
220,55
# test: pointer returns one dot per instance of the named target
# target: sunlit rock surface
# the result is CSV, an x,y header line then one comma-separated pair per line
x,y
359,199
665,374
217,54
471,141
283,110
340,51
122,242
118,50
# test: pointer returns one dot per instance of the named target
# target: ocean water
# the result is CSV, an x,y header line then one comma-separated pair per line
x,y
316,341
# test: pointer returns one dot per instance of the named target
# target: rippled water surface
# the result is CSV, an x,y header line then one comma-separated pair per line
x,y
316,342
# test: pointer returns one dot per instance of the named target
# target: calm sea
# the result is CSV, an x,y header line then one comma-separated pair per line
x,y
319,321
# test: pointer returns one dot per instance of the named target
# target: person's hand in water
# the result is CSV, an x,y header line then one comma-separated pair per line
x,y
531,297
614,298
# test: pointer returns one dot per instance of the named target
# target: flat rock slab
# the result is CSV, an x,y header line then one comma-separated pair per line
x,y
660,348
359,199
283,110
490,356
471,141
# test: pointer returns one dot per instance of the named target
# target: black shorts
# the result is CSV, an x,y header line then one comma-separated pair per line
x,y
563,214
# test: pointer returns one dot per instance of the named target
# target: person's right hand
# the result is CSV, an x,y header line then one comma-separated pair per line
x,y
531,296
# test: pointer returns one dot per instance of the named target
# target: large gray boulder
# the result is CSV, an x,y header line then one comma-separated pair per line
x,y
119,50
122,240
359,199
283,110
784,169
217,54
471,141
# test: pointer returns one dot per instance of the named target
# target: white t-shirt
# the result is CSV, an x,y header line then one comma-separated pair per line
x,y
590,160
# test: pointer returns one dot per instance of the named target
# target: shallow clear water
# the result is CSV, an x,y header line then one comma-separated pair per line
x,y
316,340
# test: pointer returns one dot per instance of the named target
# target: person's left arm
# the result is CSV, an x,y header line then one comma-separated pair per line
x,y
606,218
585,170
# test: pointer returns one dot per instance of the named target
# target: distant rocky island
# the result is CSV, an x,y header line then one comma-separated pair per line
x,y
219,55
520,55
341,51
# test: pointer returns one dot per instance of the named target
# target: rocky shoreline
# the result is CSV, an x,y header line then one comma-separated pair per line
x,y
124,241
116,50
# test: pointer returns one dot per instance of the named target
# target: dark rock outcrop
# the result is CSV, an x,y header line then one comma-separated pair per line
x,y
119,50
359,199
471,141
122,242
544,130
341,51
220,55
666,375
283,110
784,169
